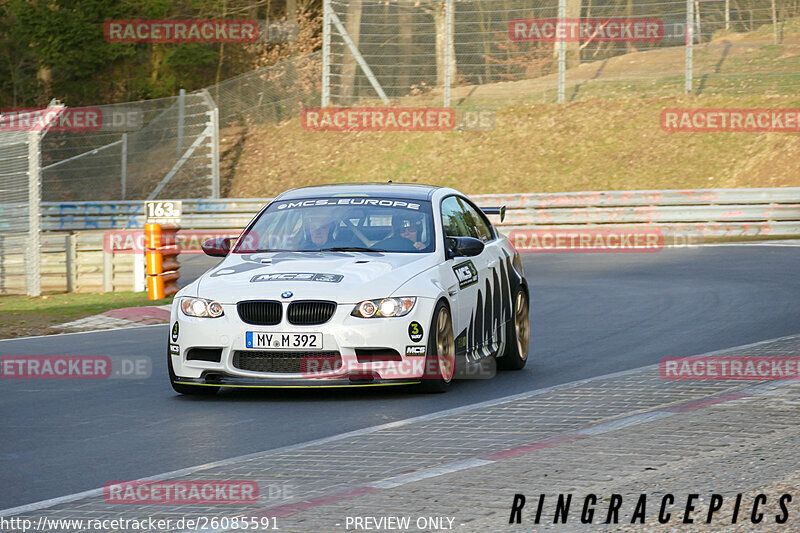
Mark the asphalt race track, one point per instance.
(592, 314)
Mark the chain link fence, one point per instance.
(556, 50)
(138, 150)
(271, 94)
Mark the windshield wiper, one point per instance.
(350, 249)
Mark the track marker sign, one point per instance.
(163, 211)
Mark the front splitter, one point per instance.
(321, 383)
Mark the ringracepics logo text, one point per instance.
(648, 509)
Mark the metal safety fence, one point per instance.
(561, 49)
(136, 150)
(714, 212)
(20, 195)
(73, 255)
(271, 94)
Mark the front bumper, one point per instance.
(342, 334)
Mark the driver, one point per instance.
(319, 229)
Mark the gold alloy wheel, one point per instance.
(445, 345)
(522, 325)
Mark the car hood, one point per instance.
(345, 277)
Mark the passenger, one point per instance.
(406, 232)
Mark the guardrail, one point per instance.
(711, 212)
(704, 212)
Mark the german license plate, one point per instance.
(283, 341)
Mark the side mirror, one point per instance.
(463, 247)
(218, 246)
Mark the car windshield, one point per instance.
(342, 224)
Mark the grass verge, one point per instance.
(24, 315)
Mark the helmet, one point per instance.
(406, 221)
(317, 220)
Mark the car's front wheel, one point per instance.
(182, 388)
(518, 336)
(440, 354)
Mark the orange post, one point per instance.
(161, 259)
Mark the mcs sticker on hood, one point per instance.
(298, 276)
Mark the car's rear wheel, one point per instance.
(518, 336)
(182, 388)
(440, 354)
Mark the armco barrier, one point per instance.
(704, 212)
(713, 212)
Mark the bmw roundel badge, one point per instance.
(287, 294)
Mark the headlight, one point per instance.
(384, 307)
(198, 307)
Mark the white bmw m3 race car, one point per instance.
(353, 285)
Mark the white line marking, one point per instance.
(426, 473)
(620, 423)
(715, 244)
(365, 431)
